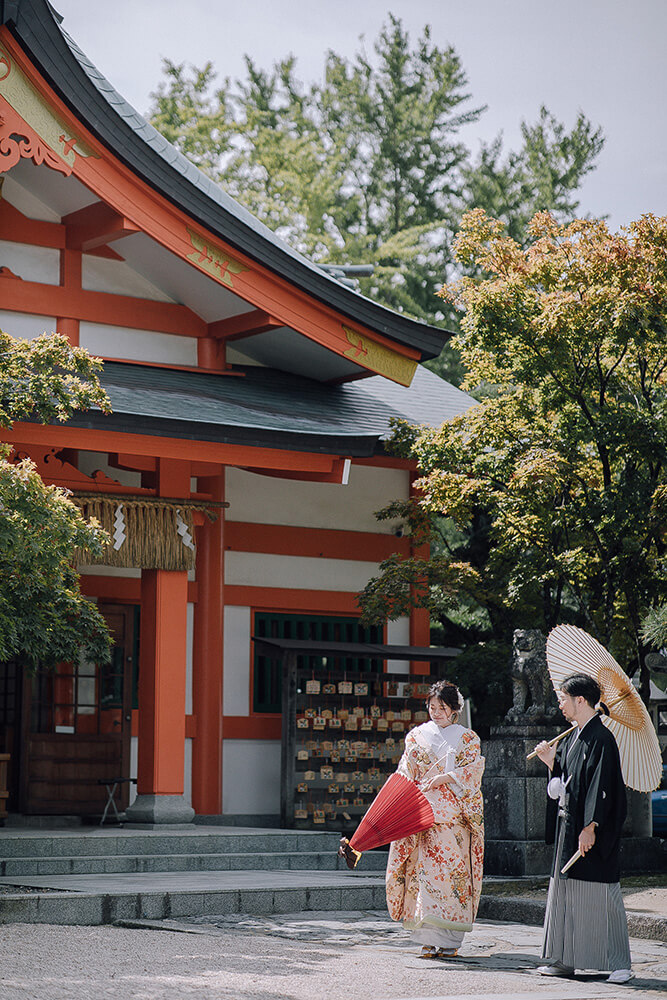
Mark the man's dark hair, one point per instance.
(582, 685)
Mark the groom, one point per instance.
(585, 925)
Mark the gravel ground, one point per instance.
(328, 956)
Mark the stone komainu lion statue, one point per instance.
(534, 699)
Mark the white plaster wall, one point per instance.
(26, 326)
(236, 677)
(118, 278)
(268, 500)
(26, 202)
(31, 263)
(398, 634)
(256, 569)
(137, 345)
(251, 777)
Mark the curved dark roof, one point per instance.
(261, 407)
(266, 408)
(36, 26)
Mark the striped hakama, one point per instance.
(585, 925)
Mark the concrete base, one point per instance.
(514, 802)
(158, 810)
(643, 854)
(508, 858)
(517, 858)
(264, 822)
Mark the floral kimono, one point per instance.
(434, 878)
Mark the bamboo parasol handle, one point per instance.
(575, 857)
(556, 739)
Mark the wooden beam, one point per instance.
(244, 325)
(133, 463)
(101, 307)
(124, 589)
(18, 228)
(96, 226)
(89, 439)
(312, 543)
(326, 602)
(334, 475)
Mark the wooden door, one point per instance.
(77, 727)
(10, 726)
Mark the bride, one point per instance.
(434, 878)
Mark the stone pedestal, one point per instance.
(514, 801)
(157, 810)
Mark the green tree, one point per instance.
(362, 169)
(372, 166)
(545, 174)
(194, 119)
(567, 460)
(44, 619)
(654, 627)
(399, 116)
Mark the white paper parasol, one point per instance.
(570, 650)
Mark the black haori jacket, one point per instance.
(596, 792)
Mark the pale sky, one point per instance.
(606, 58)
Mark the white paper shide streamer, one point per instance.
(182, 529)
(119, 535)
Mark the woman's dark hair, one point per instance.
(577, 685)
(447, 693)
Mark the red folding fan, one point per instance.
(399, 810)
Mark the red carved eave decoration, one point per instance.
(54, 470)
(18, 141)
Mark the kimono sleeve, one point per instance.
(469, 765)
(408, 765)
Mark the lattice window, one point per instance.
(267, 686)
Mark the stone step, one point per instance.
(188, 841)
(105, 899)
(17, 867)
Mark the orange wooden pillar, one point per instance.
(208, 660)
(162, 680)
(420, 618)
(70, 277)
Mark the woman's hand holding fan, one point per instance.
(399, 810)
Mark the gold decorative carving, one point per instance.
(40, 126)
(213, 260)
(378, 358)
